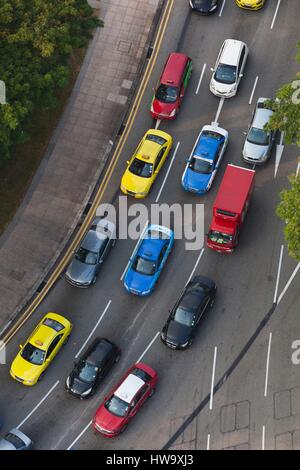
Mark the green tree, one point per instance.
(289, 211)
(37, 38)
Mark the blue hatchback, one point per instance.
(204, 160)
(148, 259)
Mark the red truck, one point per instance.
(230, 208)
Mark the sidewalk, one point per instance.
(76, 154)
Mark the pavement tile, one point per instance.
(296, 439)
(242, 415)
(282, 404)
(295, 399)
(228, 418)
(284, 441)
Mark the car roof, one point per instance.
(207, 146)
(42, 336)
(262, 114)
(192, 298)
(148, 151)
(98, 351)
(129, 387)
(231, 51)
(174, 69)
(150, 248)
(94, 240)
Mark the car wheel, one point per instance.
(151, 393)
(66, 340)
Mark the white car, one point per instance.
(229, 68)
(15, 440)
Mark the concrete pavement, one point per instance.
(77, 152)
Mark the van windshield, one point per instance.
(226, 74)
(219, 237)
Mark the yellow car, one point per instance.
(146, 163)
(40, 349)
(250, 4)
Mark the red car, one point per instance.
(172, 86)
(122, 404)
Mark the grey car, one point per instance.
(85, 266)
(15, 440)
(259, 142)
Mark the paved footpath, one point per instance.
(77, 152)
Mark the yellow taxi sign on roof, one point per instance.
(145, 157)
(38, 342)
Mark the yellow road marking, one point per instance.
(103, 185)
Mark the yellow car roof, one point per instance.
(148, 151)
(43, 334)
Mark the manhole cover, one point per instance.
(124, 46)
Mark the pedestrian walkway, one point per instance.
(77, 152)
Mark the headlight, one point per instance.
(172, 114)
(142, 194)
(68, 382)
(145, 292)
(152, 109)
(163, 335)
(29, 381)
(213, 7)
(184, 345)
(86, 392)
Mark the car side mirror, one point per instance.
(47, 360)
(128, 162)
(241, 75)
(20, 346)
(212, 69)
(245, 133)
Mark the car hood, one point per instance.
(196, 180)
(178, 333)
(137, 281)
(135, 183)
(254, 151)
(81, 272)
(24, 369)
(163, 108)
(223, 87)
(106, 420)
(79, 386)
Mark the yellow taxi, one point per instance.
(250, 4)
(40, 349)
(146, 163)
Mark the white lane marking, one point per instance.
(253, 90)
(148, 347)
(298, 169)
(3, 329)
(79, 436)
(278, 274)
(267, 365)
(38, 405)
(263, 437)
(135, 248)
(213, 379)
(94, 329)
(279, 152)
(196, 264)
(167, 174)
(219, 109)
(288, 283)
(222, 8)
(208, 442)
(275, 14)
(200, 79)
(158, 121)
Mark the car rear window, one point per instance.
(14, 440)
(141, 374)
(55, 325)
(156, 138)
(223, 212)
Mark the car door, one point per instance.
(241, 64)
(161, 260)
(54, 347)
(139, 399)
(158, 162)
(204, 305)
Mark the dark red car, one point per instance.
(122, 404)
(172, 86)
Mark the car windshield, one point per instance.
(85, 256)
(201, 166)
(156, 138)
(116, 406)
(55, 325)
(219, 237)
(225, 74)
(140, 168)
(144, 266)
(14, 440)
(166, 93)
(87, 371)
(184, 316)
(33, 354)
(258, 136)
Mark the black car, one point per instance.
(92, 367)
(205, 7)
(198, 296)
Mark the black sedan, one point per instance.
(205, 7)
(198, 296)
(92, 367)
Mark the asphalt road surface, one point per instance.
(243, 345)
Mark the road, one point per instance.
(257, 405)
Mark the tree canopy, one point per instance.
(37, 38)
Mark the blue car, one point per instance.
(205, 159)
(148, 259)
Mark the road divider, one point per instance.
(288, 283)
(195, 267)
(167, 174)
(213, 379)
(79, 436)
(278, 274)
(222, 8)
(267, 365)
(253, 90)
(200, 79)
(148, 347)
(275, 14)
(263, 438)
(221, 103)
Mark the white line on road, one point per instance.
(79, 436)
(298, 169)
(200, 79)
(219, 109)
(267, 365)
(208, 442)
(222, 8)
(148, 347)
(213, 379)
(288, 283)
(158, 121)
(253, 90)
(38, 405)
(135, 248)
(167, 174)
(196, 264)
(275, 14)
(263, 437)
(94, 329)
(278, 274)
(279, 152)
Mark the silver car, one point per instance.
(15, 440)
(85, 266)
(259, 142)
